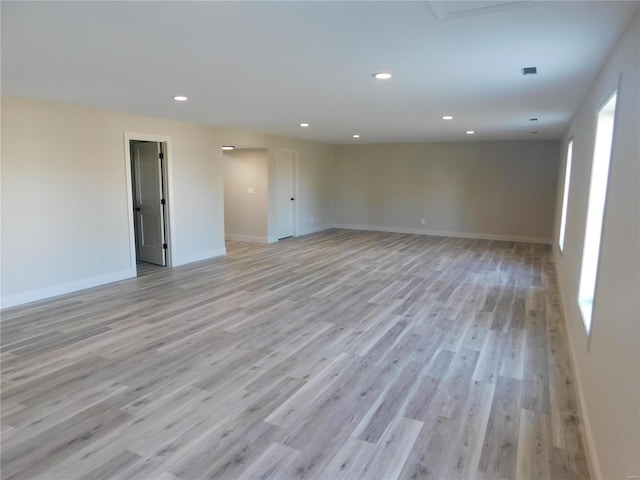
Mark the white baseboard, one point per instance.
(443, 233)
(593, 463)
(70, 287)
(303, 231)
(313, 229)
(245, 238)
(197, 257)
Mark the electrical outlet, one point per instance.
(422, 221)
(250, 190)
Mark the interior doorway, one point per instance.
(147, 161)
(286, 192)
(147, 183)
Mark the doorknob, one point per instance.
(292, 198)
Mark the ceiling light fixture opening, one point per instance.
(447, 117)
(180, 98)
(529, 70)
(382, 75)
(304, 124)
(470, 132)
(356, 135)
(533, 119)
(228, 147)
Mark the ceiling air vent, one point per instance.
(530, 71)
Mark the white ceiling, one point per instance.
(267, 66)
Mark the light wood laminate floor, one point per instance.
(341, 354)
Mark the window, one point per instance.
(565, 195)
(595, 209)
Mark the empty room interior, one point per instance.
(320, 240)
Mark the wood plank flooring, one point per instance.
(339, 355)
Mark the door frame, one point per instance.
(167, 185)
(294, 175)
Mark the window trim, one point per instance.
(606, 98)
(566, 187)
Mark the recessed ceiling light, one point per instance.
(356, 135)
(228, 147)
(304, 124)
(447, 117)
(470, 132)
(180, 98)
(530, 71)
(382, 75)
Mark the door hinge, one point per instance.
(163, 201)
(161, 155)
(165, 246)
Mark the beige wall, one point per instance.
(480, 189)
(65, 217)
(608, 371)
(66, 222)
(315, 174)
(245, 214)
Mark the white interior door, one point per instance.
(147, 203)
(286, 193)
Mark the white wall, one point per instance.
(65, 216)
(502, 190)
(315, 178)
(245, 214)
(608, 372)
